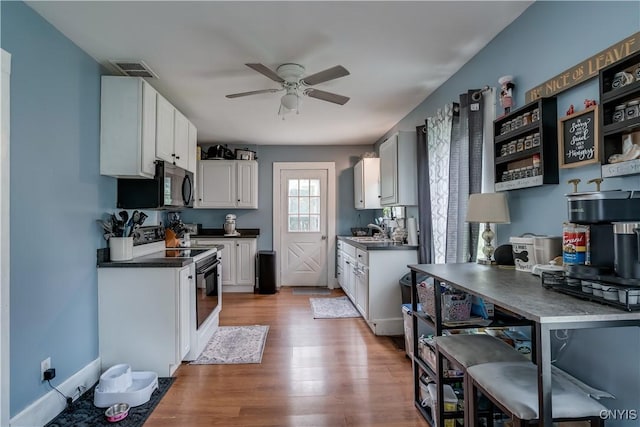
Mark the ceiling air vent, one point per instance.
(134, 68)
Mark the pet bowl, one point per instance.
(117, 412)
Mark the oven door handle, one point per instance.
(210, 268)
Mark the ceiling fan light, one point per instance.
(289, 101)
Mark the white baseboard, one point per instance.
(51, 404)
(237, 288)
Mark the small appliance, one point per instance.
(220, 152)
(230, 225)
(172, 187)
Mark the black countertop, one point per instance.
(153, 260)
(245, 233)
(378, 246)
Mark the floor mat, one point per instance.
(332, 308)
(233, 345)
(84, 414)
(311, 291)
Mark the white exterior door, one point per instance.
(303, 227)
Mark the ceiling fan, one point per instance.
(290, 78)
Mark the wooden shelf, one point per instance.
(517, 156)
(515, 184)
(522, 130)
(613, 133)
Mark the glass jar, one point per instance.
(535, 115)
(504, 150)
(526, 119)
(631, 112)
(528, 142)
(618, 113)
(536, 164)
(507, 126)
(536, 139)
(528, 172)
(505, 176)
(518, 121)
(512, 147)
(520, 144)
(503, 129)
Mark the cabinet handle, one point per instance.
(359, 256)
(379, 197)
(190, 277)
(177, 157)
(173, 155)
(238, 199)
(200, 200)
(347, 262)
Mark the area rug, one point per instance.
(311, 291)
(83, 414)
(332, 308)
(233, 345)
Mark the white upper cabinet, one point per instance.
(227, 184)
(366, 184)
(127, 127)
(138, 126)
(398, 170)
(181, 140)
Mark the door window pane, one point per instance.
(304, 205)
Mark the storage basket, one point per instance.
(454, 306)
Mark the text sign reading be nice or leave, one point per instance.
(586, 69)
(578, 138)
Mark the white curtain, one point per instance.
(439, 149)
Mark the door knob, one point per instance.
(324, 237)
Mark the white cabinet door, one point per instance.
(228, 262)
(181, 140)
(164, 129)
(245, 261)
(186, 289)
(127, 127)
(358, 185)
(389, 171)
(149, 99)
(362, 290)
(349, 276)
(247, 185)
(366, 184)
(340, 268)
(193, 147)
(216, 184)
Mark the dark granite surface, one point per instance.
(153, 260)
(378, 246)
(245, 233)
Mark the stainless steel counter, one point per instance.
(523, 294)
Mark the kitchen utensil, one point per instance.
(143, 217)
(245, 154)
(124, 215)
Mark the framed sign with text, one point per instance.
(578, 139)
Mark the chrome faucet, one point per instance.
(382, 231)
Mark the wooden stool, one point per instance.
(513, 387)
(466, 351)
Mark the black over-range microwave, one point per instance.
(172, 187)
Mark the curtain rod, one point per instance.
(477, 96)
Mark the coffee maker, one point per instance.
(230, 225)
(613, 219)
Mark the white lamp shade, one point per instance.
(289, 101)
(488, 207)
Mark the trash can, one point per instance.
(405, 286)
(266, 272)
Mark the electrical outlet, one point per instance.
(44, 365)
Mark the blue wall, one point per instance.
(548, 38)
(56, 196)
(344, 156)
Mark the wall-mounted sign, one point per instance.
(578, 139)
(586, 69)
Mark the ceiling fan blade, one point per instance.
(327, 96)
(326, 75)
(253, 92)
(264, 70)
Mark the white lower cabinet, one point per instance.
(238, 261)
(370, 278)
(144, 317)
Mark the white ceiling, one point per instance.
(397, 54)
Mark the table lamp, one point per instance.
(488, 208)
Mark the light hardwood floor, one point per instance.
(314, 372)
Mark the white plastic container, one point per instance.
(523, 253)
(143, 383)
(116, 379)
(450, 402)
(120, 248)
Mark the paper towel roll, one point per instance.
(412, 230)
